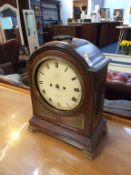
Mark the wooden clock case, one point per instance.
(83, 126)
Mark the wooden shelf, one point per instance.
(48, 9)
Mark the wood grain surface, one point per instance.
(26, 153)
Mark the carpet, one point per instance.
(109, 48)
(119, 107)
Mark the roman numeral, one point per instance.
(66, 69)
(41, 82)
(50, 100)
(76, 89)
(47, 66)
(58, 104)
(42, 73)
(74, 99)
(56, 65)
(68, 105)
(44, 91)
(74, 78)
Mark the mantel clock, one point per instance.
(67, 81)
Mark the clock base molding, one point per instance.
(85, 143)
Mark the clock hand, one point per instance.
(66, 69)
(74, 78)
(42, 73)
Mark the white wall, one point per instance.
(116, 4)
(67, 7)
(112, 4)
(66, 10)
(92, 3)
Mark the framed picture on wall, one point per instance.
(118, 14)
(105, 13)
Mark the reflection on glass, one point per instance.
(7, 23)
(128, 130)
(8, 19)
(14, 136)
(36, 172)
(30, 23)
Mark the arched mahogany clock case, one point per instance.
(67, 81)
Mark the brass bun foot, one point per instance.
(32, 129)
(90, 152)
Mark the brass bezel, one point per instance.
(38, 94)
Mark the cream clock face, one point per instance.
(59, 84)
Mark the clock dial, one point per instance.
(59, 84)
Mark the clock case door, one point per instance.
(83, 126)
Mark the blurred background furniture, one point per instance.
(10, 21)
(9, 57)
(118, 94)
(118, 85)
(9, 54)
